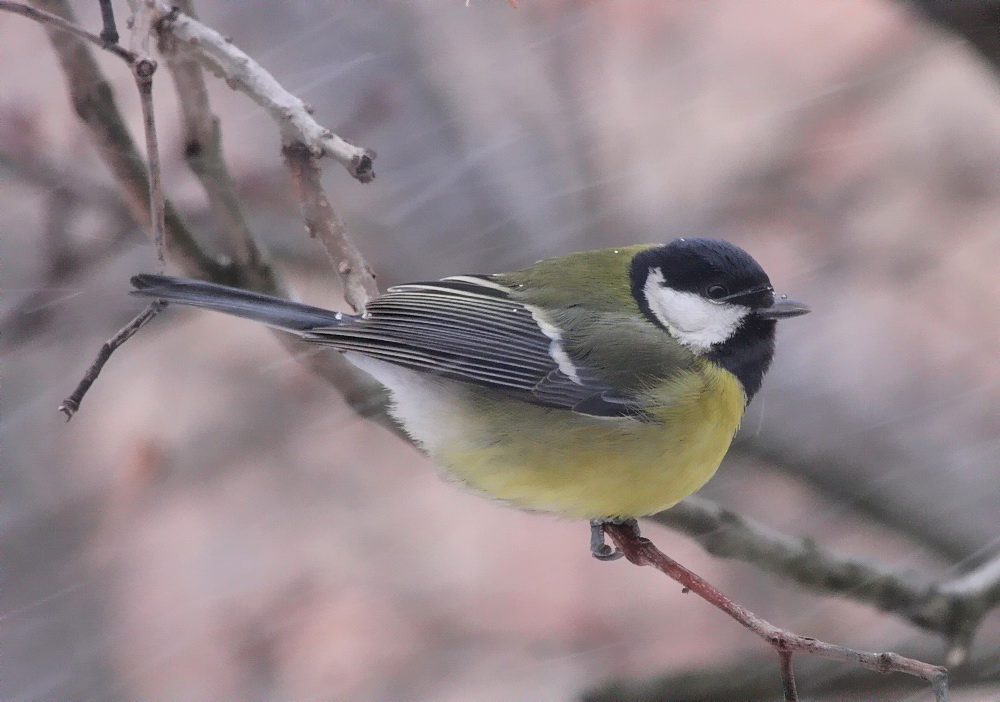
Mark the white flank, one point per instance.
(429, 408)
(693, 320)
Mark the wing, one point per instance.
(470, 329)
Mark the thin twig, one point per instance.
(143, 70)
(241, 72)
(323, 224)
(109, 32)
(111, 128)
(95, 104)
(71, 404)
(787, 676)
(203, 153)
(52, 20)
(641, 551)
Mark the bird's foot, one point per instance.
(599, 548)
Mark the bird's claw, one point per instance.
(599, 548)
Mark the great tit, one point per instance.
(603, 385)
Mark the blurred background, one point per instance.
(216, 524)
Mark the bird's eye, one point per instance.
(716, 292)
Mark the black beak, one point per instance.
(783, 309)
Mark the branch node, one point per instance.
(144, 68)
(362, 167)
(885, 661)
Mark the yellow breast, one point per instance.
(585, 467)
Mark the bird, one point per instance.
(602, 385)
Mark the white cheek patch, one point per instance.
(694, 321)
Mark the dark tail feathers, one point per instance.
(272, 311)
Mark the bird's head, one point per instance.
(704, 292)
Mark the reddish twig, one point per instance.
(323, 224)
(641, 551)
(951, 606)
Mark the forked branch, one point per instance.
(241, 72)
(325, 226)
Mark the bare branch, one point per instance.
(241, 72)
(56, 22)
(143, 70)
(109, 32)
(323, 224)
(95, 104)
(110, 130)
(71, 404)
(787, 676)
(203, 154)
(953, 608)
(747, 677)
(642, 552)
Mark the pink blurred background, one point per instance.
(216, 524)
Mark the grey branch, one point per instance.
(227, 61)
(71, 404)
(953, 607)
(752, 678)
(203, 154)
(324, 225)
(52, 19)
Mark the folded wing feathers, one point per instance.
(468, 328)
